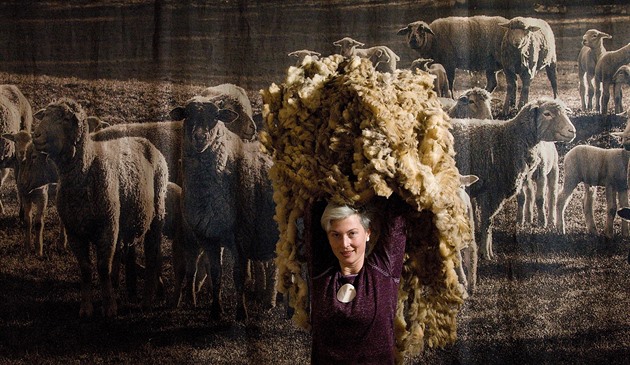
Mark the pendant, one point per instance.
(346, 293)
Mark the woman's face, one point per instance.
(348, 238)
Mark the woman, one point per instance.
(354, 295)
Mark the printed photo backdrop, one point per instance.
(547, 297)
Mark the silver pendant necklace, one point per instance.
(346, 293)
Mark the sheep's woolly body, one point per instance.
(340, 131)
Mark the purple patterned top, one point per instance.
(361, 331)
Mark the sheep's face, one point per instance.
(475, 104)
(622, 76)
(624, 136)
(36, 170)
(593, 38)
(20, 141)
(62, 126)
(419, 35)
(519, 32)
(552, 121)
(246, 128)
(201, 116)
(347, 45)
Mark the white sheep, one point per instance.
(592, 50)
(110, 194)
(301, 55)
(468, 257)
(227, 194)
(382, 57)
(605, 69)
(594, 166)
(527, 47)
(15, 115)
(473, 103)
(540, 187)
(440, 82)
(620, 78)
(467, 43)
(498, 152)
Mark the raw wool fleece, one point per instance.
(339, 130)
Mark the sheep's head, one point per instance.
(347, 45)
(474, 103)
(301, 54)
(419, 35)
(243, 125)
(200, 116)
(20, 141)
(593, 38)
(421, 63)
(63, 125)
(519, 31)
(552, 120)
(622, 75)
(624, 137)
(379, 56)
(36, 170)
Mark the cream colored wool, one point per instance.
(340, 131)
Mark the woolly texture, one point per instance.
(338, 130)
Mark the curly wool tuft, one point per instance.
(341, 131)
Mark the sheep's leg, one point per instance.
(179, 269)
(552, 71)
(215, 252)
(471, 257)
(598, 94)
(618, 95)
(460, 270)
(240, 269)
(526, 81)
(521, 199)
(541, 198)
(105, 250)
(590, 78)
(4, 172)
(583, 86)
(152, 260)
(491, 80)
(552, 195)
(605, 97)
(131, 274)
(510, 92)
(28, 228)
(81, 251)
(271, 274)
(39, 223)
(563, 199)
(485, 227)
(450, 76)
(622, 195)
(587, 207)
(611, 211)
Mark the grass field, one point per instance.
(546, 299)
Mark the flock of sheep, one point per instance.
(202, 178)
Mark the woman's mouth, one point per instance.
(346, 253)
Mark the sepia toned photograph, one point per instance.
(314, 182)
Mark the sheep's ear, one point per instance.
(533, 28)
(505, 25)
(428, 29)
(226, 115)
(9, 136)
(467, 180)
(604, 35)
(624, 213)
(404, 31)
(178, 113)
(40, 114)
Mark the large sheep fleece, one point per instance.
(467, 43)
(227, 193)
(110, 193)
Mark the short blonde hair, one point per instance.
(335, 212)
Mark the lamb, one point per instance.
(498, 152)
(382, 57)
(620, 78)
(467, 43)
(527, 47)
(235, 98)
(470, 254)
(110, 194)
(15, 114)
(592, 50)
(605, 69)
(472, 103)
(301, 55)
(227, 194)
(543, 172)
(596, 166)
(440, 83)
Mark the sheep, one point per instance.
(467, 43)
(301, 55)
(110, 194)
(382, 57)
(234, 97)
(227, 194)
(440, 83)
(472, 103)
(470, 254)
(620, 78)
(165, 136)
(527, 47)
(592, 50)
(543, 172)
(498, 152)
(15, 114)
(596, 166)
(624, 213)
(605, 69)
